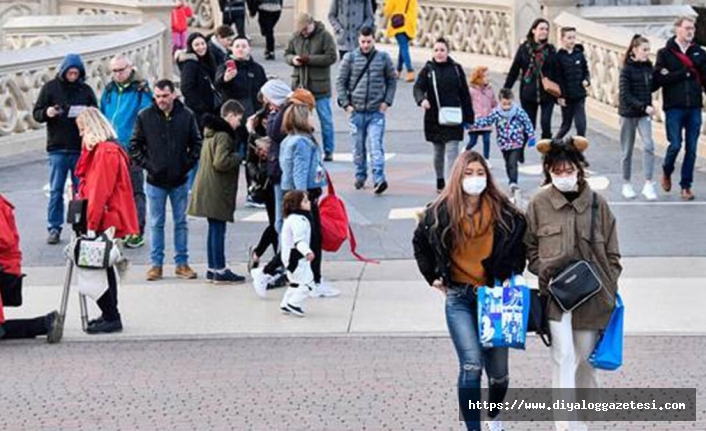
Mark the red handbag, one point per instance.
(335, 226)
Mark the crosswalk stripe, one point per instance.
(348, 157)
(404, 213)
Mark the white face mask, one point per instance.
(474, 185)
(566, 184)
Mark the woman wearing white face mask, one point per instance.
(559, 221)
(470, 236)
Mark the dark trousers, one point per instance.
(25, 328)
(137, 178)
(239, 22)
(216, 244)
(269, 236)
(315, 242)
(512, 158)
(108, 302)
(532, 108)
(268, 21)
(573, 112)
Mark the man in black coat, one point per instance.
(60, 101)
(680, 70)
(166, 142)
(571, 72)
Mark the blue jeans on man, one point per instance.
(323, 110)
(688, 120)
(461, 318)
(179, 198)
(60, 164)
(368, 131)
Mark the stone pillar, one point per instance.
(49, 7)
(552, 8)
(161, 10)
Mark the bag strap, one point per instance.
(594, 215)
(406, 8)
(354, 246)
(362, 73)
(436, 90)
(331, 189)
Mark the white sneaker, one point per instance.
(487, 162)
(628, 191)
(323, 290)
(260, 280)
(514, 187)
(648, 191)
(494, 425)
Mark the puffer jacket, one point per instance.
(432, 251)
(197, 84)
(121, 103)
(318, 52)
(636, 87)
(570, 69)
(378, 85)
(558, 234)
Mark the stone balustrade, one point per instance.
(99, 7)
(22, 76)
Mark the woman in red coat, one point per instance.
(10, 273)
(103, 171)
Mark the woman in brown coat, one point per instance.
(558, 234)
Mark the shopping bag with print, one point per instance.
(503, 313)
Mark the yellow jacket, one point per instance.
(393, 7)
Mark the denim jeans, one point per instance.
(367, 131)
(179, 198)
(279, 200)
(473, 140)
(573, 112)
(403, 57)
(323, 110)
(60, 163)
(192, 177)
(512, 158)
(216, 244)
(628, 127)
(677, 120)
(137, 178)
(461, 318)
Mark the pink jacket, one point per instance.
(483, 103)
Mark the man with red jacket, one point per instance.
(11, 273)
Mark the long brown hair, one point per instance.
(458, 204)
(636, 41)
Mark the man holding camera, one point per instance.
(59, 103)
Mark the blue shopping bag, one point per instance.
(503, 313)
(608, 354)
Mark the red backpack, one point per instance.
(335, 227)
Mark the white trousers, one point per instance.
(570, 367)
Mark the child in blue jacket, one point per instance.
(512, 126)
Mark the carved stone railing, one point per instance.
(484, 27)
(99, 7)
(22, 76)
(13, 8)
(31, 31)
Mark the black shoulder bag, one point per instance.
(578, 282)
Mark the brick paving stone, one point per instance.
(286, 383)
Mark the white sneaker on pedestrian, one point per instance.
(628, 191)
(648, 191)
(323, 290)
(260, 280)
(494, 426)
(487, 162)
(514, 187)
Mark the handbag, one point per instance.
(94, 253)
(11, 289)
(503, 313)
(608, 354)
(551, 87)
(578, 282)
(449, 115)
(398, 20)
(77, 215)
(538, 320)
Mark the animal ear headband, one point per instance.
(579, 143)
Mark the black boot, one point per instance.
(440, 184)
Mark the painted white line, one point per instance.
(531, 169)
(404, 213)
(598, 183)
(657, 203)
(258, 217)
(348, 157)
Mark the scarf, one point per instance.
(508, 114)
(539, 52)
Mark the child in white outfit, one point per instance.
(296, 253)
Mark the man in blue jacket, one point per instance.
(123, 98)
(58, 104)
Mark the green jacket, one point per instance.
(216, 185)
(318, 52)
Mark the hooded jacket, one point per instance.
(318, 51)
(62, 132)
(104, 176)
(681, 87)
(432, 252)
(452, 87)
(216, 185)
(166, 146)
(570, 69)
(513, 127)
(120, 103)
(636, 87)
(197, 84)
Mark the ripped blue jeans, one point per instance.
(461, 319)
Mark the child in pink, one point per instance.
(180, 24)
(484, 101)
